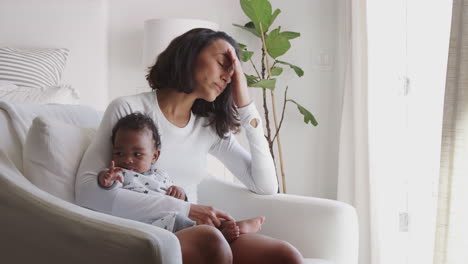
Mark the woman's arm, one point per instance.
(255, 169)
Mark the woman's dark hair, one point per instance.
(137, 121)
(174, 70)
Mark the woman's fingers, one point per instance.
(207, 215)
(224, 215)
(235, 65)
(208, 222)
(216, 222)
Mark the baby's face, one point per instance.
(134, 150)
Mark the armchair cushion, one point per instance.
(319, 228)
(52, 154)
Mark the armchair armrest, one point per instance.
(38, 227)
(319, 228)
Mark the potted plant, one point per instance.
(274, 44)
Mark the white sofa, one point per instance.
(37, 227)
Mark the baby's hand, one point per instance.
(107, 178)
(176, 192)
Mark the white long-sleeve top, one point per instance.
(183, 155)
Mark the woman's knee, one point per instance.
(286, 253)
(213, 245)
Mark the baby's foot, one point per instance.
(251, 225)
(230, 230)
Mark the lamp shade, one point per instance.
(158, 33)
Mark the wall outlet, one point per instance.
(404, 221)
(323, 61)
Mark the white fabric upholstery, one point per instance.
(319, 228)
(316, 261)
(52, 154)
(53, 230)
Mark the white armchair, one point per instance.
(36, 226)
(321, 229)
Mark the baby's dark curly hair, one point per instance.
(137, 121)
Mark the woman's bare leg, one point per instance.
(256, 248)
(204, 244)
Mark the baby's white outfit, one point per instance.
(154, 182)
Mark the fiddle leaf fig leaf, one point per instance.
(290, 34)
(272, 18)
(251, 30)
(276, 43)
(275, 71)
(308, 117)
(246, 55)
(251, 79)
(250, 25)
(296, 69)
(259, 11)
(265, 83)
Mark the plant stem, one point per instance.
(274, 63)
(263, 62)
(282, 114)
(273, 104)
(267, 124)
(255, 68)
(278, 141)
(265, 107)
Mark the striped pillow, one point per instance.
(35, 68)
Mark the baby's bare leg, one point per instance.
(230, 230)
(251, 225)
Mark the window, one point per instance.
(408, 48)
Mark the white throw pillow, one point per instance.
(52, 154)
(32, 67)
(60, 94)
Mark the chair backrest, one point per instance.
(11, 142)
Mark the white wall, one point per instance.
(105, 42)
(310, 153)
(80, 26)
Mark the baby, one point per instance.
(136, 148)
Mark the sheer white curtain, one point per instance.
(452, 215)
(391, 124)
(354, 182)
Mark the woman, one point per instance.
(199, 96)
